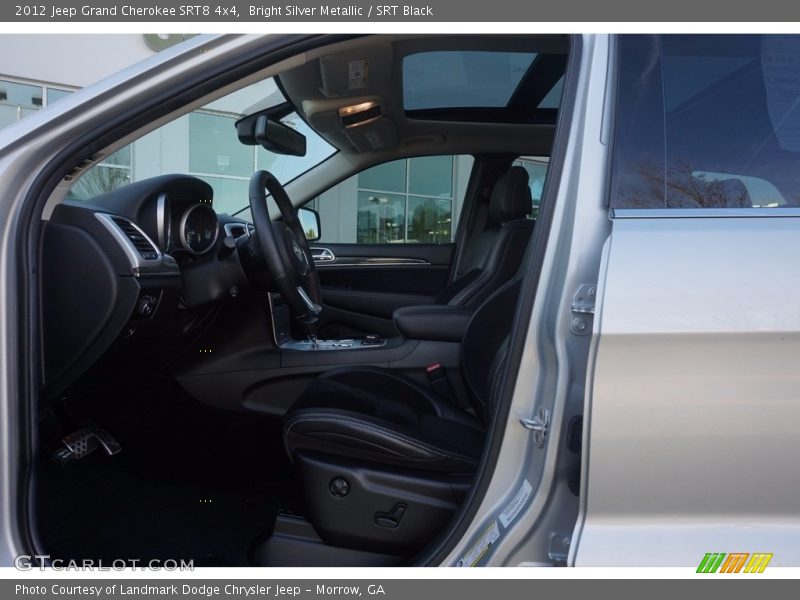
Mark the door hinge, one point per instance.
(538, 425)
(583, 309)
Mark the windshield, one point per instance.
(204, 143)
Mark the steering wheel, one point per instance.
(285, 249)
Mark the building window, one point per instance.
(54, 95)
(213, 150)
(18, 99)
(218, 158)
(406, 201)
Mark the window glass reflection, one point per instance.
(708, 121)
(381, 218)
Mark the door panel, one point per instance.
(363, 284)
(693, 409)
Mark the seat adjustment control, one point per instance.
(339, 488)
(390, 519)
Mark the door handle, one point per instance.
(322, 255)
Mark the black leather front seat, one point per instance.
(493, 254)
(398, 447)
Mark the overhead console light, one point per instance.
(378, 134)
(359, 114)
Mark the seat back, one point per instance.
(492, 256)
(484, 349)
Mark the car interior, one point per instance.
(230, 388)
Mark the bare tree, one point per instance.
(99, 180)
(679, 187)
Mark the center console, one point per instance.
(370, 341)
(256, 364)
(281, 328)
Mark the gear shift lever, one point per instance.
(311, 331)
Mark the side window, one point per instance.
(707, 121)
(408, 201)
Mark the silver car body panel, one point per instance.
(693, 413)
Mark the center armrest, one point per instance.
(437, 322)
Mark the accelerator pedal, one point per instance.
(83, 442)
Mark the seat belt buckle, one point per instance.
(435, 372)
(438, 378)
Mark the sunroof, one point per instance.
(462, 79)
(553, 97)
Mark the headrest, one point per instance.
(511, 197)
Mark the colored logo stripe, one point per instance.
(717, 561)
(711, 562)
(758, 562)
(734, 562)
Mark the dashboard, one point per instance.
(174, 211)
(141, 267)
(184, 224)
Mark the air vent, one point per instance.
(143, 245)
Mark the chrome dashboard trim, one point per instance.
(137, 262)
(163, 221)
(371, 262)
(182, 233)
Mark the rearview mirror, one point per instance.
(309, 220)
(271, 134)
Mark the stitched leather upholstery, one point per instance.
(493, 255)
(379, 416)
(374, 414)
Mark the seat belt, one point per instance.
(437, 375)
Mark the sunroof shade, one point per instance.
(462, 79)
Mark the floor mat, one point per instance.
(192, 482)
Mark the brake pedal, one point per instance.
(81, 443)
